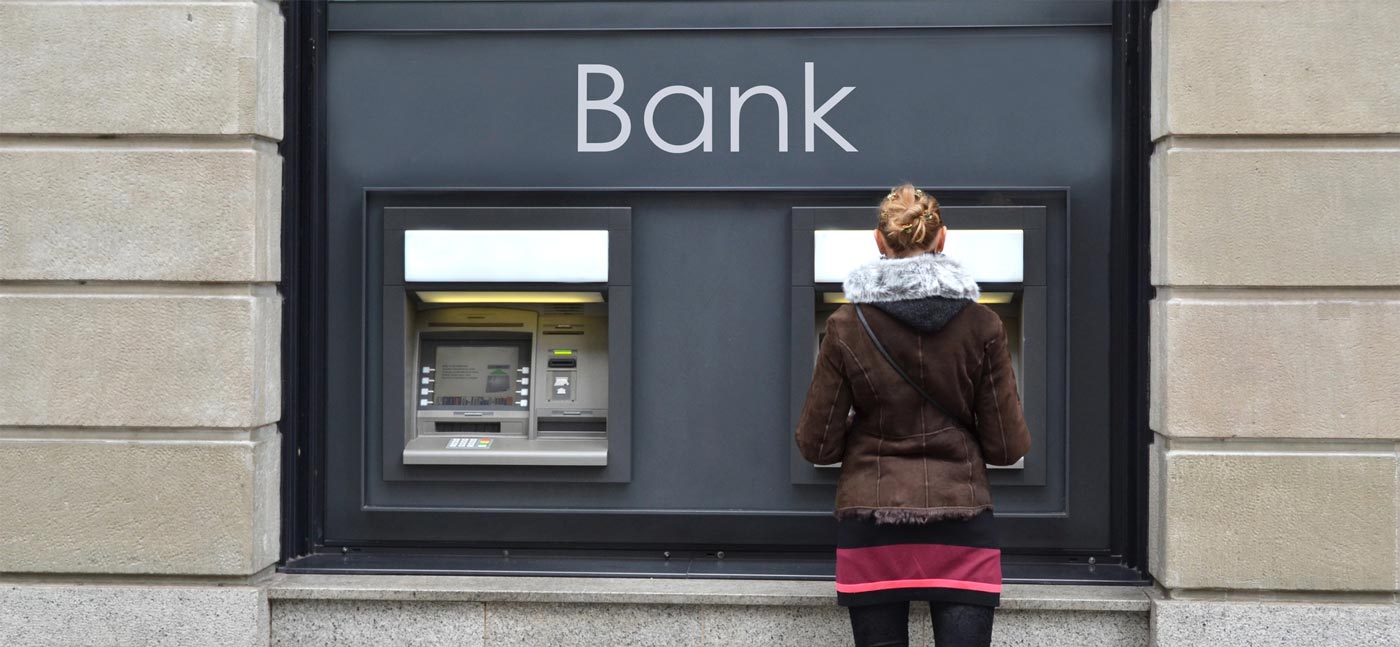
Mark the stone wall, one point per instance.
(372, 610)
(140, 209)
(1276, 327)
(343, 623)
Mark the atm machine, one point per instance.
(1002, 246)
(509, 383)
(504, 339)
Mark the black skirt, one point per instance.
(955, 561)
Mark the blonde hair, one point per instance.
(909, 219)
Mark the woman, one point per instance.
(913, 393)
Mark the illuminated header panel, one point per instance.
(520, 256)
(986, 298)
(460, 296)
(991, 255)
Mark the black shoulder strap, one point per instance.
(886, 354)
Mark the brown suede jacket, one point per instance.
(903, 461)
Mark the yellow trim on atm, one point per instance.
(511, 297)
(987, 297)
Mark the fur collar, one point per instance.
(915, 277)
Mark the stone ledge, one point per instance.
(64, 615)
(372, 623)
(588, 590)
(1191, 623)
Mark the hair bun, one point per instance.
(909, 218)
(918, 226)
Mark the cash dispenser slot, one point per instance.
(450, 427)
(515, 377)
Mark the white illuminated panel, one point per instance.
(838, 251)
(432, 296)
(991, 255)
(479, 256)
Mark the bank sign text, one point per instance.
(813, 116)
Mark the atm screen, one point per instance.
(474, 375)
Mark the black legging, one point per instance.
(954, 625)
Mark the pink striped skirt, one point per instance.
(952, 561)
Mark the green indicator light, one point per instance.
(562, 352)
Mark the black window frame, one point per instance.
(304, 282)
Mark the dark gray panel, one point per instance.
(712, 275)
(499, 109)
(715, 263)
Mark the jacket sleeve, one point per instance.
(821, 430)
(1001, 425)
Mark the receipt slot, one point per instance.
(1003, 247)
(505, 342)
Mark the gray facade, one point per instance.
(142, 282)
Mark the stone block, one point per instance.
(1284, 213)
(131, 506)
(1225, 67)
(141, 68)
(99, 615)
(826, 625)
(1156, 524)
(1292, 517)
(375, 623)
(157, 358)
(586, 625)
(1066, 628)
(1276, 364)
(830, 626)
(121, 211)
(1211, 623)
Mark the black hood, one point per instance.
(926, 315)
